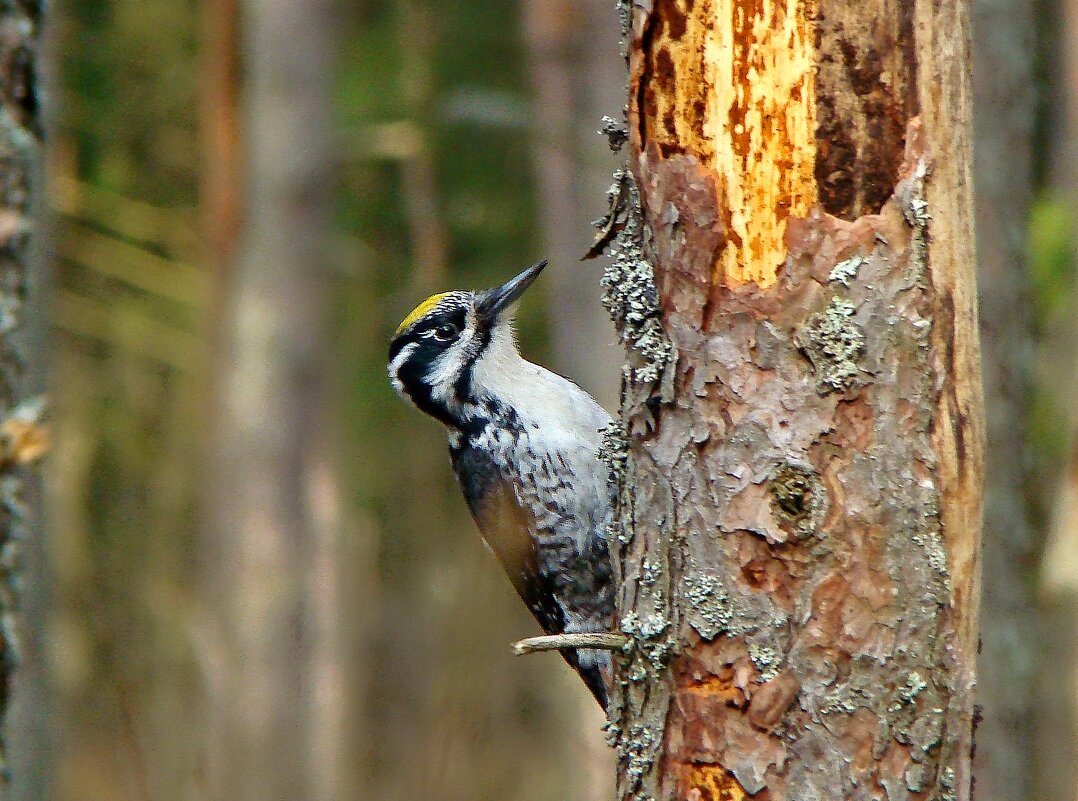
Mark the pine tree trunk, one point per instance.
(24, 697)
(800, 511)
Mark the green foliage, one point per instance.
(1052, 248)
(1053, 253)
(128, 95)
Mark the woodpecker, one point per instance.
(523, 442)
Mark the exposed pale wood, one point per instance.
(731, 83)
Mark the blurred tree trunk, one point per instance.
(270, 575)
(800, 516)
(25, 740)
(1002, 132)
(1057, 722)
(577, 79)
(222, 174)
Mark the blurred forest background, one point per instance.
(263, 581)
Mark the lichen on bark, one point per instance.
(798, 503)
(800, 516)
(20, 166)
(644, 580)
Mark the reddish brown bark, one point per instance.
(800, 514)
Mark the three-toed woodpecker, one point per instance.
(523, 443)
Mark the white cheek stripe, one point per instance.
(395, 366)
(447, 368)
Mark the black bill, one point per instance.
(493, 302)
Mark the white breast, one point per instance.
(553, 458)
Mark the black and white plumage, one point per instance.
(524, 444)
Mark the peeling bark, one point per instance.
(799, 510)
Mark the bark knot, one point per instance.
(798, 499)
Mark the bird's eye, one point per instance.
(444, 333)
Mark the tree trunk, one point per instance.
(25, 740)
(1056, 726)
(274, 688)
(1003, 92)
(799, 520)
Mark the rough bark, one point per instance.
(800, 508)
(273, 719)
(24, 739)
(1003, 92)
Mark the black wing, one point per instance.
(507, 529)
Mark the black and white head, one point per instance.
(435, 351)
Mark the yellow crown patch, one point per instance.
(420, 311)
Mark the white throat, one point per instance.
(540, 398)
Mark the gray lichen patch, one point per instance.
(906, 694)
(766, 659)
(639, 748)
(931, 540)
(651, 637)
(947, 784)
(650, 571)
(615, 131)
(798, 499)
(910, 195)
(710, 611)
(846, 271)
(630, 295)
(614, 450)
(923, 732)
(834, 344)
(847, 698)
